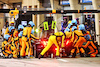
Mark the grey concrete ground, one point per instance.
(51, 62)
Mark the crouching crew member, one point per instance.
(6, 44)
(77, 39)
(92, 49)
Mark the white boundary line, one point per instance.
(63, 60)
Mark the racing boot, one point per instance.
(57, 57)
(39, 57)
(31, 56)
(21, 57)
(27, 57)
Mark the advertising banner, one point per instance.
(64, 2)
(86, 1)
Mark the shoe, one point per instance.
(57, 57)
(5, 57)
(21, 57)
(39, 57)
(70, 56)
(88, 55)
(31, 56)
(10, 56)
(84, 55)
(27, 57)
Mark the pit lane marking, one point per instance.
(62, 60)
